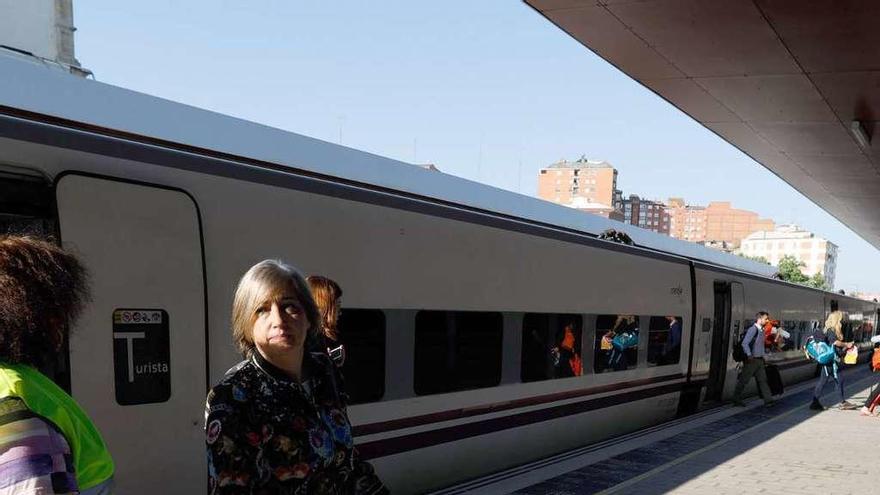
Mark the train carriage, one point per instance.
(452, 310)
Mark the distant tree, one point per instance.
(818, 281)
(790, 270)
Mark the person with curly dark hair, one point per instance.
(47, 442)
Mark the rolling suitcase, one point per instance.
(774, 380)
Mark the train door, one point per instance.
(27, 207)
(727, 318)
(138, 353)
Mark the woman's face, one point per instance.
(280, 325)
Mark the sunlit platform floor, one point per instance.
(787, 448)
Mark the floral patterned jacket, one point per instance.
(266, 434)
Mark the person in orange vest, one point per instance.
(775, 336)
(566, 358)
(874, 395)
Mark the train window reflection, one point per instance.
(664, 340)
(617, 343)
(847, 328)
(457, 350)
(803, 331)
(858, 332)
(779, 335)
(551, 346)
(362, 331)
(867, 331)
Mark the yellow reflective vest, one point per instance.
(43, 397)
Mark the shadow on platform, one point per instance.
(664, 465)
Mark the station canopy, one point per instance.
(794, 84)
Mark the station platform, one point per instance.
(786, 448)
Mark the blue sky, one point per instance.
(486, 90)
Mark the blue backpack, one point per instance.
(625, 340)
(819, 351)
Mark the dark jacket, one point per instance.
(268, 434)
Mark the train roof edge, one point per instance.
(35, 88)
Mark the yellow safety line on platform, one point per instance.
(659, 469)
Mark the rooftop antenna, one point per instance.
(519, 176)
(480, 160)
(341, 121)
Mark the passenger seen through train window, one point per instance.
(551, 346)
(773, 339)
(617, 343)
(664, 340)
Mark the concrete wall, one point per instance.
(42, 27)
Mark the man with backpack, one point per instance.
(752, 346)
(832, 335)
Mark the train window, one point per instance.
(664, 340)
(26, 206)
(858, 331)
(362, 331)
(551, 346)
(868, 330)
(783, 337)
(617, 343)
(800, 334)
(457, 350)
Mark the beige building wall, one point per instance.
(718, 222)
(687, 223)
(731, 225)
(817, 254)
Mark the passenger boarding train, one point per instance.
(453, 316)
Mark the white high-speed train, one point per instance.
(455, 293)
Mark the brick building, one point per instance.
(716, 223)
(594, 182)
(647, 214)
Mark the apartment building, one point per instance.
(818, 255)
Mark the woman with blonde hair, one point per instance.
(276, 422)
(833, 336)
